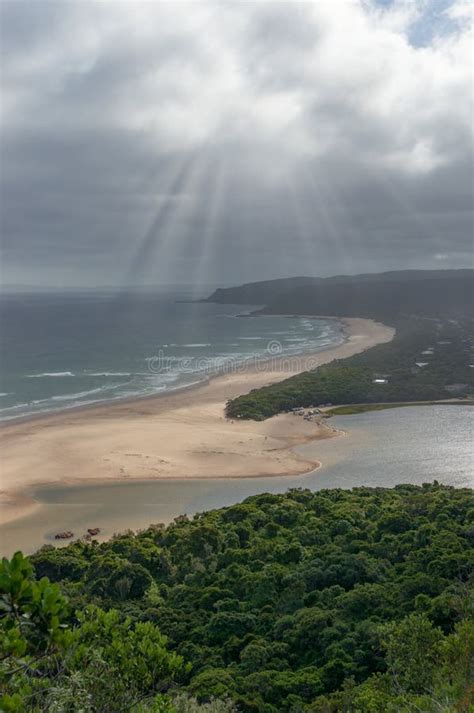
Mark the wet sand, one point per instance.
(180, 435)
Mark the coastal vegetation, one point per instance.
(429, 359)
(305, 602)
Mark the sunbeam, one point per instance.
(214, 190)
(316, 205)
(170, 205)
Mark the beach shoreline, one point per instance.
(232, 367)
(182, 434)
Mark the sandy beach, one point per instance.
(180, 435)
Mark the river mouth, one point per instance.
(378, 449)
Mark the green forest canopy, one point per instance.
(338, 600)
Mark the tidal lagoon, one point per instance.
(415, 444)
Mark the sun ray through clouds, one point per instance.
(174, 198)
(317, 207)
(214, 190)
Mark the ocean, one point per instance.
(73, 349)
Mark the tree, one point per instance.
(413, 650)
(98, 661)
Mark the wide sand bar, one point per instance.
(183, 434)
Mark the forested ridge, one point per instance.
(384, 296)
(355, 601)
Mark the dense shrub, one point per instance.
(304, 601)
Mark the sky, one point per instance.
(225, 142)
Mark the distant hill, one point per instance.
(441, 293)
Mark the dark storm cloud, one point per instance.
(224, 142)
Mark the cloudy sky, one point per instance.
(220, 142)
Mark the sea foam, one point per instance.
(49, 373)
